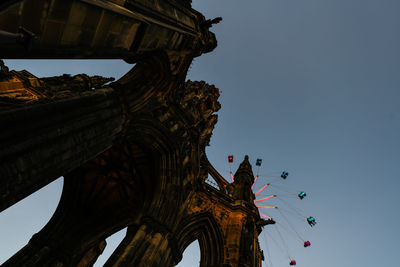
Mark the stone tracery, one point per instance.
(132, 151)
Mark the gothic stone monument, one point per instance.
(132, 151)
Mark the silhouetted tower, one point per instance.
(132, 152)
(243, 180)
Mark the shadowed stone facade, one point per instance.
(132, 151)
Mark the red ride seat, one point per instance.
(292, 262)
(307, 244)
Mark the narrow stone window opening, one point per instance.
(112, 243)
(212, 182)
(27, 217)
(191, 255)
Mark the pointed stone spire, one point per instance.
(245, 171)
(243, 180)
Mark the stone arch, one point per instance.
(142, 138)
(206, 230)
(166, 166)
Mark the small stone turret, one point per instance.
(245, 171)
(243, 180)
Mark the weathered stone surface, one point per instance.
(165, 125)
(101, 29)
(151, 178)
(132, 152)
(52, 133)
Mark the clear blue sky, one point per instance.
(310, 86)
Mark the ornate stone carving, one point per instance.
(133, 151)
(232, 216)
(240, 189)
(22, 87)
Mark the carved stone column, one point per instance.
(149, 244)
(99, 198)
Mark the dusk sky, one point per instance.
(309, 86)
